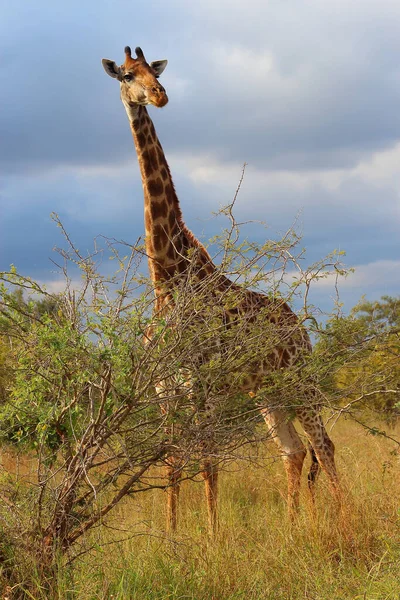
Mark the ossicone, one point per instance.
(139, 53)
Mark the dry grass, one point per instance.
(257, 553)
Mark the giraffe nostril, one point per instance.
(158, 89)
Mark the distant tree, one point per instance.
(361, 353)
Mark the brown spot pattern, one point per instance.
(158, 209)
(170, 193)
(285, 358)
(160, 237)
(171, 253)
(172, 221)
(155, 187)
(150, 162)
(152, 131)
(141, 139)
(161, 157)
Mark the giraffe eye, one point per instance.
(128, 77)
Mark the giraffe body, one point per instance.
(171, 249)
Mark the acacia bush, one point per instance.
(98, 403)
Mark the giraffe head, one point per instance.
(138, 79)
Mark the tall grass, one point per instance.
(257, 553)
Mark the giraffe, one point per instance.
(171, 248)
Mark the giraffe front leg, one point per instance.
(293, 465)
(174, 473)
(323, 447)
(292, 450)
(210, 476)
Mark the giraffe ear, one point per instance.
(158, 66)
(111, 69)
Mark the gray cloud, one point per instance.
(299, 87)
(288, 87)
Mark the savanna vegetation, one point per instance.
(84, 442)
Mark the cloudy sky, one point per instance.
(307, 93)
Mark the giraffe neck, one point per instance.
(167, 238)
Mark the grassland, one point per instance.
(257, 554)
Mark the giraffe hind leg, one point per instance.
(313, 472)
(322, 445)
(292, 450)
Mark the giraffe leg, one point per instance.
(313, 472)
(174, 472)
(210, 476)
(293, 452)
(322, 445)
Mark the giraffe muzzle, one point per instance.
(160, 100)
